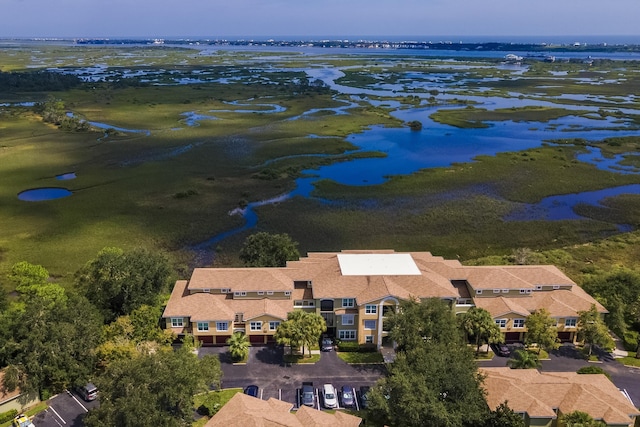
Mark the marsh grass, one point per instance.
(125, 192)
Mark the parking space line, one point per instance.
(261, 393)
(79, 403)
(279, 394)
(355, 399)
(54, 411)
(317, 400)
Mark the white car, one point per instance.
(330, 396)
(22, 421)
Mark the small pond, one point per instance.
(66, 176)
(43, 194)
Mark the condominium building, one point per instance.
(355, 290)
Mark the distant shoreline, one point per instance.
(382, 44)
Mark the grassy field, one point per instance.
(176, 186)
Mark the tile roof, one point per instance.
(246, 411)
(203, 306)
(241, 279)
(500, 306)
(199, 306)
(539, 393)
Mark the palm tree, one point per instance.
(313, 325)
(478, 322)
(238, 346)
(524, 360)
(579, 419)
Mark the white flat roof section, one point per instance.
(378, 265)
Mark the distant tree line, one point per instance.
(53, 111)
(36, 81)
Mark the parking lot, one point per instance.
(66, 409)
(275, 379)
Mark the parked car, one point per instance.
(348, 399)
(364, 398)
(502, 350)
(252, 390)
(307, 394)
(88, 392)
(327, 344)
(22, 421)
(329, 396)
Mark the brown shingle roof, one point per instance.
(241, 279)
(199, 306)
(539, 393)
(246, 411)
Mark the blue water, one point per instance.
(43, 194)
(66, 176)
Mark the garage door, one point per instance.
(206, 340)
(256, 339)
(222, 339)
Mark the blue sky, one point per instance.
(273, 18)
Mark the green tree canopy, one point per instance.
(417, 322)
(155, 389)
(478, 323)
(268, 250)
(118, 282)
(433, 380)
(592, 330)
(49, 343)
(301, 328)
(541, 330)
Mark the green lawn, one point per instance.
(630, 360)
(222, 396)
(299, 359)
(357, 357)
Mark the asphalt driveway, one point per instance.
(266, 369)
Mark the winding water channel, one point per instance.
(437, 145)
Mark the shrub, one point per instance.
(593, 370)
(8, 416)
(354, 347)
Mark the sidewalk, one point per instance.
(619, 351)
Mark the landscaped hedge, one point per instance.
(8, 416)
(354, 347)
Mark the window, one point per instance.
(369, 324)
(222, 326)
(287, 293)
(501, 323)
(570, 323)
(206, 290)
(255, 326)
(225, 291)
(303, 303)
(239, 317)
(348, 302)
(478, 291)
(347, 319)
(203, 326)
(260, 292)
(177, 322)
(518, 323)
(496, 291)
(368, 339)
(273, 325)
(505, 291)
(269, 292)
(347, 335)
(371, 309)
(556, 287)
(538, 287)
(240, 294)
(522, 291)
